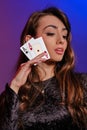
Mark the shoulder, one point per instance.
(82, 77)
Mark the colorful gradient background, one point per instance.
(13, 16)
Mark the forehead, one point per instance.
(50, 20)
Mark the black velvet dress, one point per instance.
(51, 115)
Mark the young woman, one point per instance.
(49, 95)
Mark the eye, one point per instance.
(50, 34)
(65, 37)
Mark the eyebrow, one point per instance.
(53, 26)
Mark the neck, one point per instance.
(46, 70)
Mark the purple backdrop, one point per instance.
(13, 16)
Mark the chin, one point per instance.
(59, 58)
(56, 58)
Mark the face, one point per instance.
(54, 34)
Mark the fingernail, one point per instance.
(45, 52)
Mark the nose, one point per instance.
(60, 39)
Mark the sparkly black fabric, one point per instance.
(49, 116)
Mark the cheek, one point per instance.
(48, 42)
(51, 51)
(50, 48)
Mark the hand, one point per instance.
(23, 72)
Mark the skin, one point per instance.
(54, 35)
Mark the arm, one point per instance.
(9, 110)
(9, 101)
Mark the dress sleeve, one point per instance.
(9, 109)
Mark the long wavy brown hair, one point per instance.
(71, 89)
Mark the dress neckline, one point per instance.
(46, 80)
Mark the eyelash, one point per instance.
(50, 34)
(65, 37)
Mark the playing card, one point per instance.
(34, 47)
(39, 46)
(27, 49)
(30, 48)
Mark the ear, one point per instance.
(27, 37)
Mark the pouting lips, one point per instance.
(59, 51)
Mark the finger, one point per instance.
(27, 72)
(37, 59)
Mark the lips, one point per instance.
(59, 51)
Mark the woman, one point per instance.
(49, 95)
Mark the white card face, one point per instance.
(30, 48)
(37, 48)
(40, 47)
(34, 47)
(25, 50)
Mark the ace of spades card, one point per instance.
(28, 50)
